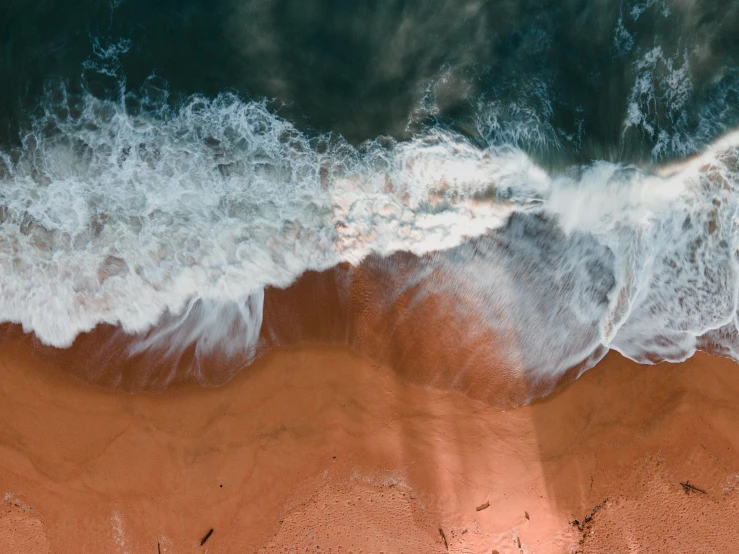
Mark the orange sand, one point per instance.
(315, 449)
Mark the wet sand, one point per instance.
(316, 449)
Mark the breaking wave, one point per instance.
(123, 211)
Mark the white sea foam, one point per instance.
(121, 214)
(616, 258)
(111, 217)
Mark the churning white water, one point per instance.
(120, 214)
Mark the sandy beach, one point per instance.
(317, 449)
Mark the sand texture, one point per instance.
(316, 449)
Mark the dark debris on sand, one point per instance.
(585, 525)
(483, 506)
(206, 537)
(688, 488)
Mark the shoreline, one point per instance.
(316, 446)
(426, 334)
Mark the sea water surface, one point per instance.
(178, 156)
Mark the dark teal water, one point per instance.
(562, 79)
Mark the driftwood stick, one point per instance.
(206, 537)
(687, 487)
(443, 537)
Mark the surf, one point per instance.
(113, 215)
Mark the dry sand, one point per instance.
(316, 449)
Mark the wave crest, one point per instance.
(121, 212)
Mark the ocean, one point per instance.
(570, 167)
